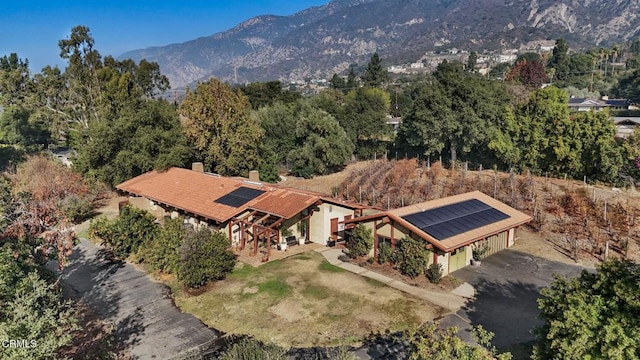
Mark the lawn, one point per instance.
(304, 301)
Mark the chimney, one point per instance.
(197, 166)
(254, 175)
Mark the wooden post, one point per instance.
(388, 201)
(606, 250)
(347, 191)
(360, 190)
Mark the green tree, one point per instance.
(363, 117)
(216, 120)
(15, 80)
(337, 82)
(456, 111)
(352, 79)
(322, 146)
(428, 341)
(18, 127)
(279, 124)
(560, 60)
(359, 242)
(375, 75)
(161, 251)
(138, 140)
(472, 61)
(127, 233)
(262, 94)
(204, 256)
(593, 316)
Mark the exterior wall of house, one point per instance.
(511, 238)
(293, 226)
(320, 221)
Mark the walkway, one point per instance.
(451, 301)
(145, 320)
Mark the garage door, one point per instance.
(457, 259)
(497, 242)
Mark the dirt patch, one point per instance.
(294, 302)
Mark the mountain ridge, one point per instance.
(321, 40)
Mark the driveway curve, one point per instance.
(145, 320)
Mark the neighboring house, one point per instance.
(394, 122)
(450, 227)
(591, 104)
(64, 154)
(247, 211)
(625, 125)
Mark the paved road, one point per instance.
(145, 319)
(507, 286)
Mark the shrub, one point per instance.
(251, 349)
(480, 250)
(385, 253)
(344, 258)
(125, 234)
(412, 257)
(359, 242)
(434, 273)
(161, 252)
(204, 256)
(76, 207)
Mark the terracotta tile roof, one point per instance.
(196, 192)
(516, 218)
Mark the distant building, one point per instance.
(625, 125)
(592, 104)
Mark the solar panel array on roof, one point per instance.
(450, 220)
(239, 196)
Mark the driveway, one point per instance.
(146, 321)
(507, 286)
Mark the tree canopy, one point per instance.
(217, 122)
(593, 316)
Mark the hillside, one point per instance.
(323, 40)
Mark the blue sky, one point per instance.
(32, 28)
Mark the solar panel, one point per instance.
(450, 220)
(239, 196)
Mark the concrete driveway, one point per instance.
(146, 321)
(507, 286)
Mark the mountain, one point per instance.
(323, 40)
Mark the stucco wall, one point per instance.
(320, 222)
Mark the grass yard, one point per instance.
(304, 301)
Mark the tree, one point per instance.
(127, 233)
(322, 146)
(139, 140)
(560, 60)
(18, 127)
(279, 124)
(161, 252)
(337, 82)
(472, 61)
(593, 316)
(429, 341)
(528, 73)
(204, 256)
(455, 110)
(542, 136)
(363, 117)
(216, 120)
(359, 242)
(375, 75)
(15, 80)
(262, 94)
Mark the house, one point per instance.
(587, 104)
(625, 125)
(450, 227)
(247, 211)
